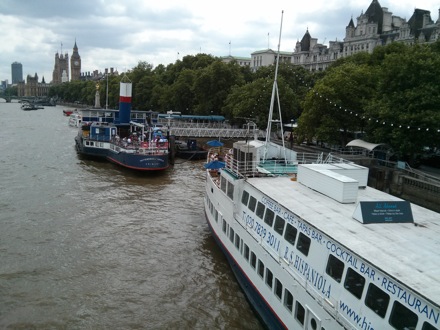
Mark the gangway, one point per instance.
(210, 132)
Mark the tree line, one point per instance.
(391, 96)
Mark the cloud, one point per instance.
(119, 34)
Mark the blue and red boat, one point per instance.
(125, 137)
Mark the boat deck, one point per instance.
(408, 251)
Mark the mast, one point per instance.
(272, 101)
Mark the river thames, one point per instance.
(90, 245)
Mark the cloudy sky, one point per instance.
(120, 33)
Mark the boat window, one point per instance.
(427, 326)
(260, 210)
(279, 225)
(223, 184)
(253, 260)
(288, 300)
(231, 235)
(335, 268)
(402, 317)
(216, 216)
(268, 217)
(290, 234)
(303, 244)
(377, 300)
(354, 283)
(237, 241)
(245, 198)
(300, 313)
(252, 203)
(230, 190)
(224, 226)
(260, 268)
(246, 252)
(269, 278)
(278, 288)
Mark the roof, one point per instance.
(363, 144)
(406, 251)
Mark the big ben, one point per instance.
(75, 64)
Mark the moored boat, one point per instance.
(118, 138)
(68, 112)
(190, 150)
(313, 247)
(75, 119)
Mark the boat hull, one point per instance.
(139, 162)
(258, 303)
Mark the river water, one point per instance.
(89, 245)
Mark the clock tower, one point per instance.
(75, 64)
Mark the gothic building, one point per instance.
(31, 87)
(376, 27)
(75, 64)
(61, 69)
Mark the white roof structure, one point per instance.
(406, 251)
(365, 145)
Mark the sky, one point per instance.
(120, 33)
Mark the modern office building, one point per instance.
(17, 72)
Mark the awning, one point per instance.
(365, 145)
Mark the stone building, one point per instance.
(61, 69)
(31, 87)
(75, 64)
(376, 27)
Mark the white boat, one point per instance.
(313, 247)
(75, 119)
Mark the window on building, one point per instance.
(245, 198)
(223, 184)
(300, 313)
(377, 300)
(290, 234)
(246, 252)
(288, 300)
(402, 318)
(279, 225)
(230, 192)
(252, 203)
(260, 210)
(278, 288)
(253, 260)
(303, 244)
(260, 268)
(354, 283)
(427, 326)
(269, 278)
(335, 268)
(237, 241)
(268, 217)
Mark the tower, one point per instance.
(17, 72)
(75, 64)
(61, 68)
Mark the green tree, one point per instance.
(335, 106)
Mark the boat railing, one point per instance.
(275, 167)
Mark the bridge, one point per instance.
(202, 132)
(212, 130)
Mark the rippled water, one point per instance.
(89, 245)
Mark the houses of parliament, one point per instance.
(31, 87)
